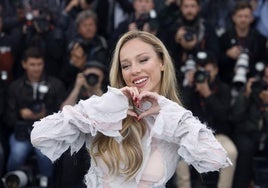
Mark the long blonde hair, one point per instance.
(130, 154)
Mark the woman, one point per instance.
(137, 131)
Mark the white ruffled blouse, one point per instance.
(174, 134)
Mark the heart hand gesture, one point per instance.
(139, 99)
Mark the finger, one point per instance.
(135, 96)
(126, 91)
(148, 95)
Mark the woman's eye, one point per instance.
(124, 66)
(144, 60)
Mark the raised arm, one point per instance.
(197, 144)
(74, 125)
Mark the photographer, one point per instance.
(190, 34)
(209, 99)
(87, 46)
(30, 97)
(241, 38)
(249, 116)
(35, 25)
(88, 83)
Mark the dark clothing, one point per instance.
(249, 117)
(52, 44)
(254, 42)
(21, 95)
(214, 109)
(105, 13)
(207, 41)
(166, 17)
(247, 112)
(70, 170)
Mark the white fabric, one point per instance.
(173, 134)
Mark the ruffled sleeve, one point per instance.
(72, 126)
(197, 144)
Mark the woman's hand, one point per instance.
(139, 98)
(151, 97)
(131, 93)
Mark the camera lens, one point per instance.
(188, 36)
(200, 76)
(92, 79)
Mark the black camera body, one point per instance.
(200, 76)
(189, 34)
(142, 19)
(259, 86)
(92, 79)
(39, 101)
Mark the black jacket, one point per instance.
(21, 95)
(212, 110)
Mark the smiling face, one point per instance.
(141, 66)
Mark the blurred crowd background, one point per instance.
(57, 52)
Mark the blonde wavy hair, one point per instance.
(130, 154)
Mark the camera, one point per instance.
(190, 64)
(189, 34)
(40, 23)
(24, 177)
(259, 84)
(4, 75)
(92, 79)
(149, 18)
(17, 178)
(241, 69)
(200, 76)
(38, 103)
(196, 63)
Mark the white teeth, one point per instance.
(140, 81)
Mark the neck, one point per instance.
(33, 79)
(242, 32)
(190, 23)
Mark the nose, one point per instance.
(136, 68)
